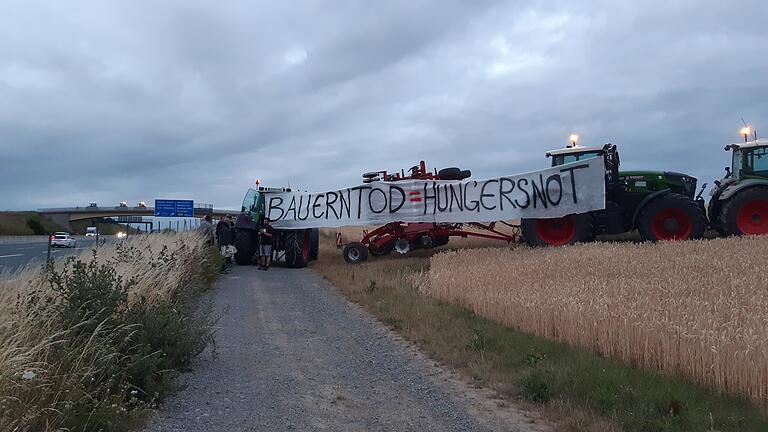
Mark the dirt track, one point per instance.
(293, 354)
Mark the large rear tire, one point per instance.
(672, 217)
(746, 213)
(314, 244)
(575, 228)
(245, 244)
(297, 246)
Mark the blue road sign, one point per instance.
(174, 208)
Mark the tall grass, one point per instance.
(88, 342)
(694, 308)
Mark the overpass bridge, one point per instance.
(63, 216)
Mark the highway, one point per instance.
(17, 253)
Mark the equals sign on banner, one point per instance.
(415, 196)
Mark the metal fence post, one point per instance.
(48, 256)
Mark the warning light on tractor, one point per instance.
(258, 182)
(574, 139)
(746, 131)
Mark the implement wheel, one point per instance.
(672, 217)
(578, 228)
(746, 213)
(355, 253)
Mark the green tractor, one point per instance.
(296, 247)
(739, 202)
(659, 204)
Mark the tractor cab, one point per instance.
(252, 210)
(573, 154)
(253, 202)
(748, 160)
(739, 201)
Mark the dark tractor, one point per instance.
(659, 204)
(739, 202)
(296, 247)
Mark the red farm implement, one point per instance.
(405, 237)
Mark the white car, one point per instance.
(61, 239)
(90, 231)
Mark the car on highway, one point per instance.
(62, 239)
(90, 231)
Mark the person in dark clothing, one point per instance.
(206, 228)
(224, 236)
(232, 231)
(266, 238)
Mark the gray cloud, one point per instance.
(113, 101)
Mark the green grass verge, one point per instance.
(543, 372)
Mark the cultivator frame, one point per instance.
(404, 237)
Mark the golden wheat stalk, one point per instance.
(697, 308)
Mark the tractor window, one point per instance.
(558, 160)
(736, 163)
(758, 161)
(249, 202)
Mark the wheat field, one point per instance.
(697, 308)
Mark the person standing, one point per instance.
(266, 238)
(224, 235)
(206, 228)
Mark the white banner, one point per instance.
(578, 187)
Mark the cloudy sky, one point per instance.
(112, 101)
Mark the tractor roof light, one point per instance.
(574, 139)
(258, 182)
(746, 130)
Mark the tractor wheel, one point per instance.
(355, 253)
(746, 213)
(245, 244)
(672, 217)
(576, 228)
(453, 173)
(382, 250)
(314, 244)
(297, 246)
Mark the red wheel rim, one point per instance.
(752, 217)
(305, 246)
(556, 232)
(672, 224)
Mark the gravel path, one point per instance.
(293, 354)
